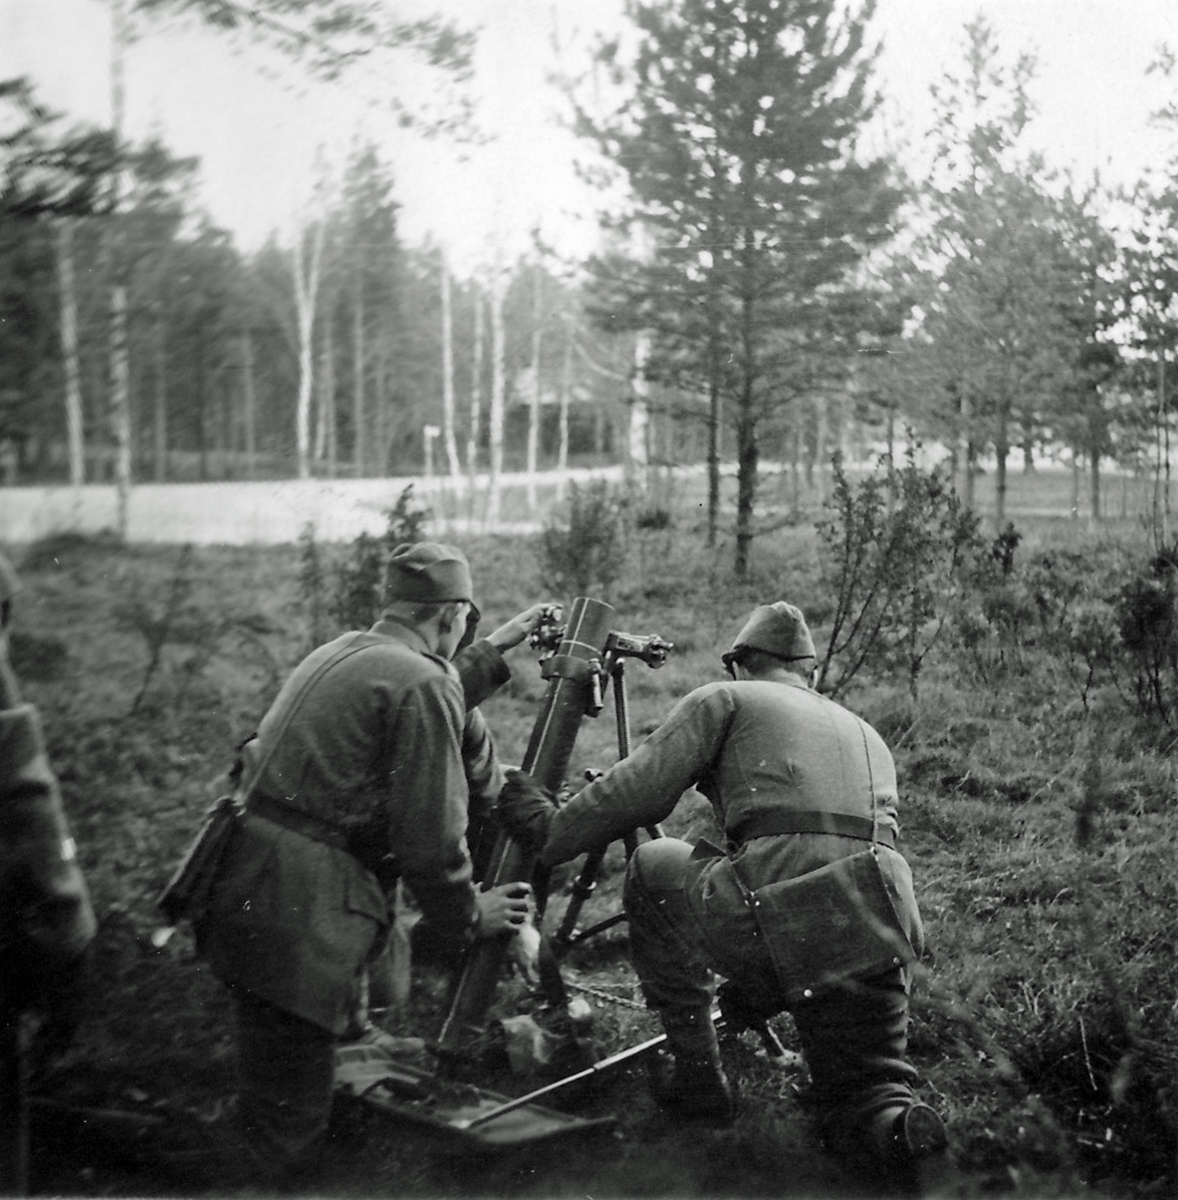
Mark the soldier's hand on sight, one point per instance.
(521, 625)
(503, 909)
(525, 809)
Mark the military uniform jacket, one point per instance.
(374, 749)
(47, 919)
(751, 747)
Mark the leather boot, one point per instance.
(905, 1135)
(694, 1084)
(911, 1146)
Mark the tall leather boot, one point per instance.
(910, 1144)
(693, 1085)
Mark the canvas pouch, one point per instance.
(187, 894)
(830, 925)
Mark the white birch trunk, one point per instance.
(358, 377)
(160, 423)
(566, 383)
(75, 430)
(498, 387)
(448, 435)
(476, 400)
(534, 399)
(251, 419)
(306, 285)
(637, 455)
(120, 377)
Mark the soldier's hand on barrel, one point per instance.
(525, 809)
(503, 909)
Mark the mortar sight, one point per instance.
(549, 633)
(651, 648)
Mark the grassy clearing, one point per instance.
(1040, 832)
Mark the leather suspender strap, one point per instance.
(278, 811)
(784, 821)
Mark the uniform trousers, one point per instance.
(286, 1074)
(688, 923)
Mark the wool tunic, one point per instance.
(46, 920)
(375, 750)
(752, 747)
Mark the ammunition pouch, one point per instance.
(187, 894)
(844, 921)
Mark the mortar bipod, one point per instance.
(567, 933)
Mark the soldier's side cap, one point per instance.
(778, 629)
(428, 572)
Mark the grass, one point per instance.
(1043, 1017)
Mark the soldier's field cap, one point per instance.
(777, 629)
(429, 572)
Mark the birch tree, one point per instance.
(306, 260)
(448, 434)
(120, 370)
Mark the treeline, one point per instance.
(769, 289)
(221, 342)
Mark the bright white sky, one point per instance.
(257, 135)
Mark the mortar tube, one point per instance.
(546, 760)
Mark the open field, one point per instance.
(1038, 818)
(275, 511)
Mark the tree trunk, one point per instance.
(1163, 447)
(534, 399)
(1074, 498)
(306, 285)
(120, 372)
(821, 433)
(448, 375)
(498, 385)
(1001, 450)
(251, 407)
(637, 456)
(966, 450)
(202, 446)
(713, 454)
(326, 439)
(381, 416)
(120, 376)
(1094, 478)
(159, 424)
(476, 403)
(795, 466)
(746, 479)
(358, 438)
(566, 386)
(808, 450)
(75, 429)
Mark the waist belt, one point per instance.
(297, 821)
(782, 821)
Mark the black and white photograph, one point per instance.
(589, 599)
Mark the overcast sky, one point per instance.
(257, 135)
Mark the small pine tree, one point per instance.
(584, 546)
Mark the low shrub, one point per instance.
(583, 548)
